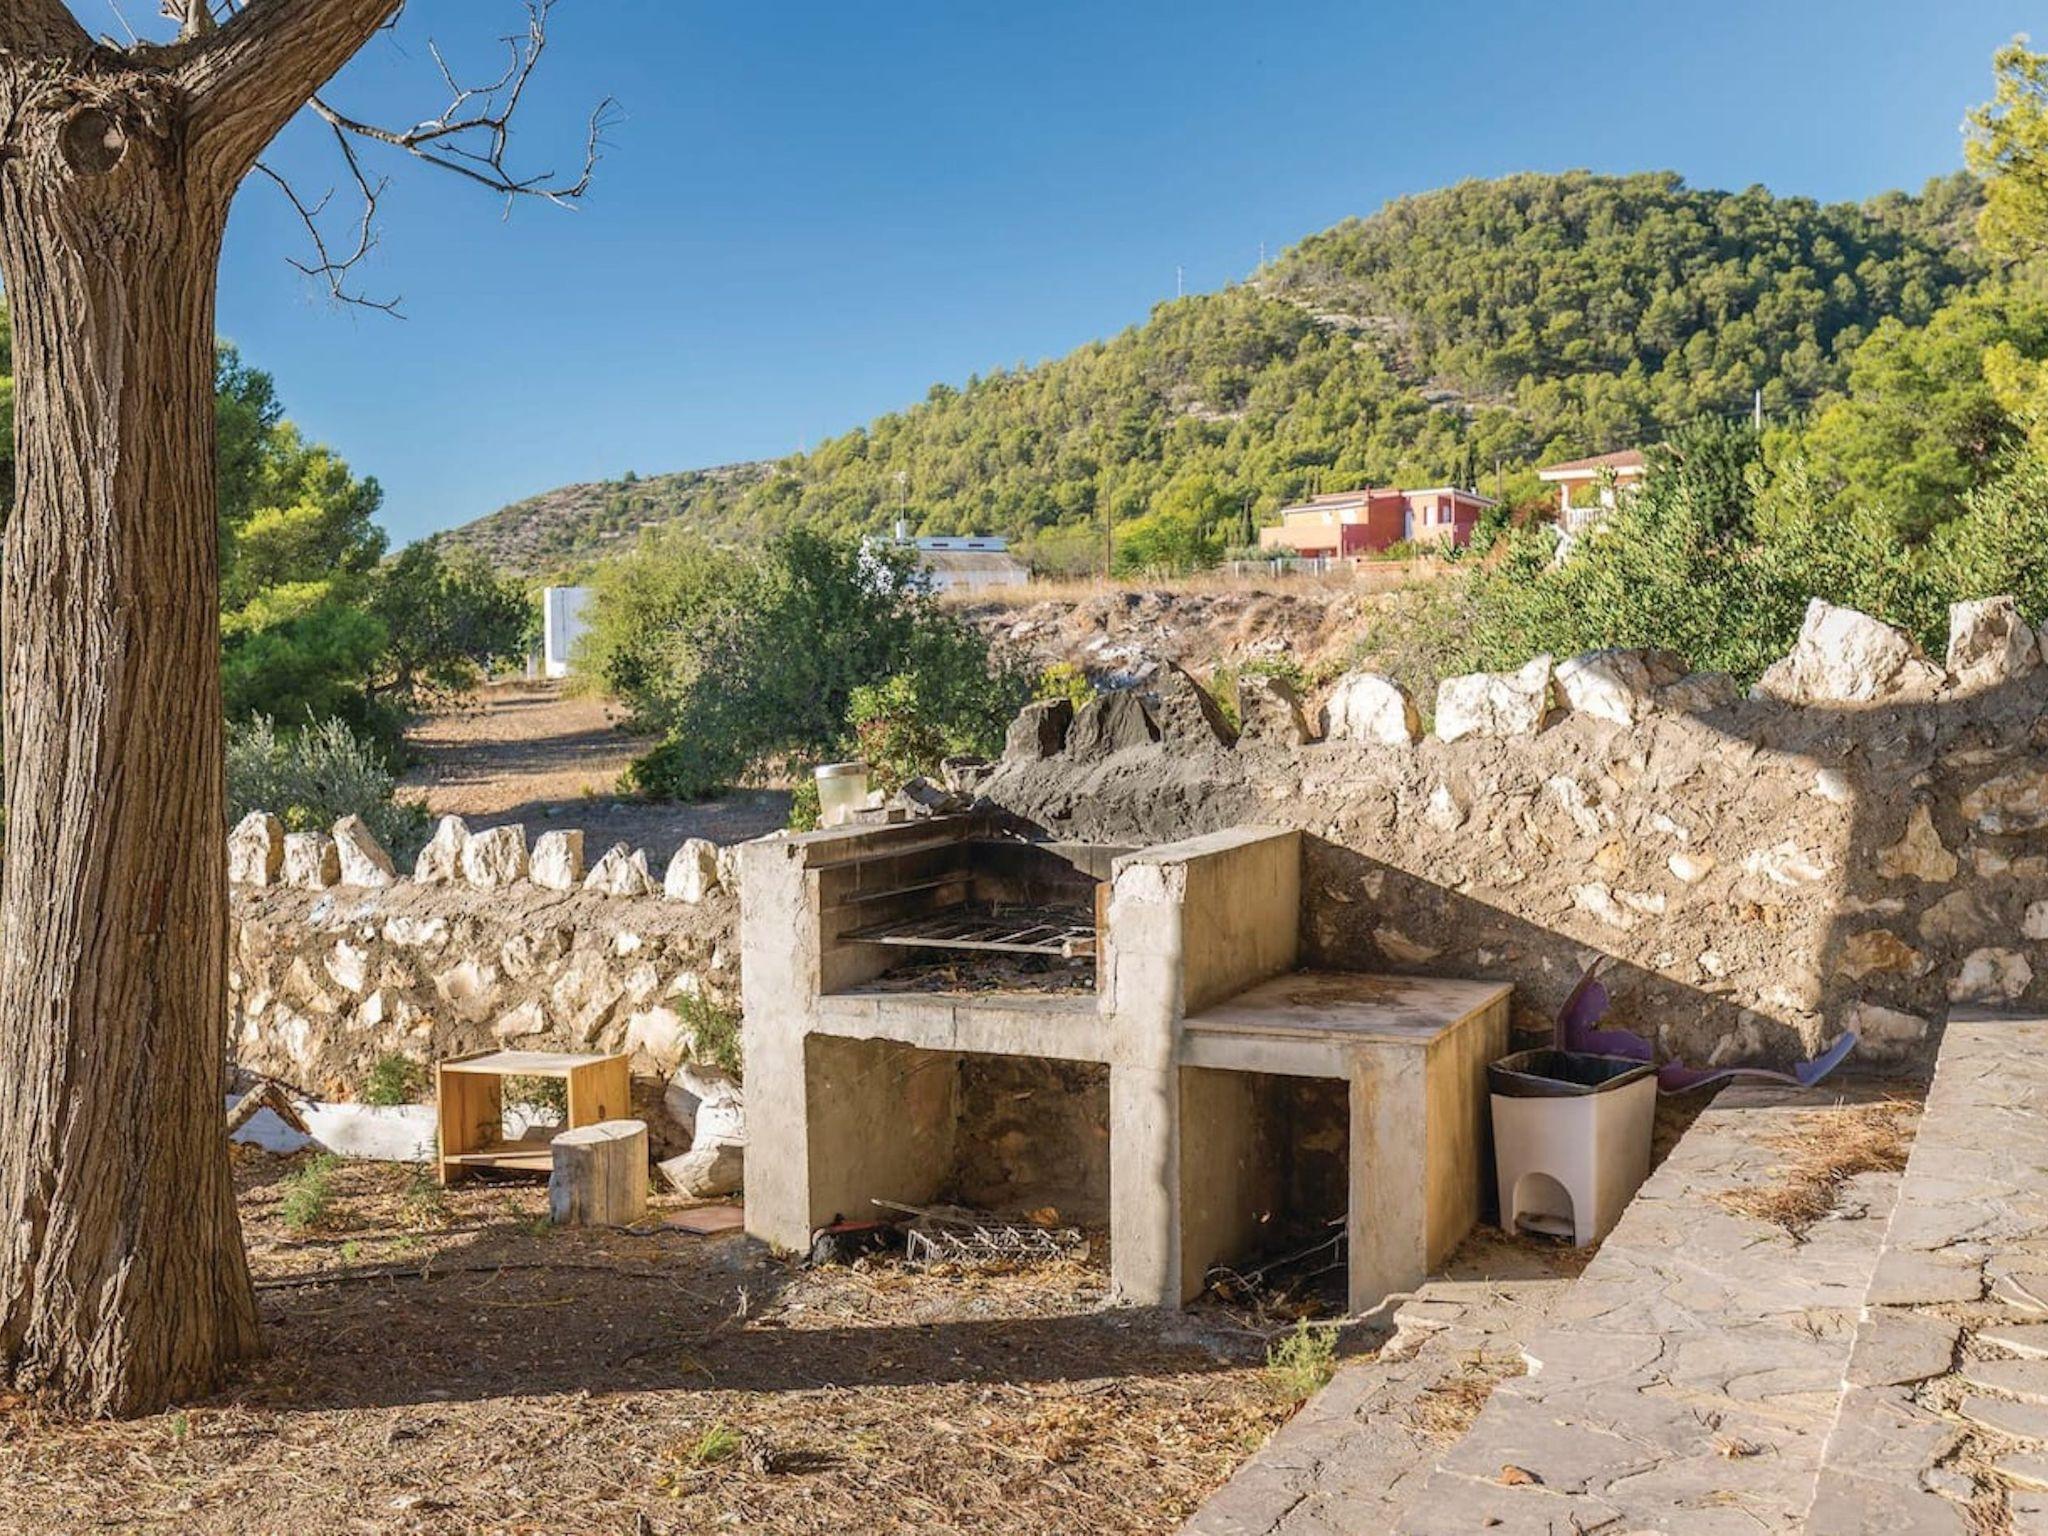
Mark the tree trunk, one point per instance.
(123, 1284)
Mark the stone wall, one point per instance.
(1861, 841)
(325, 978)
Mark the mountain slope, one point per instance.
(1491, 324)
(561, 530)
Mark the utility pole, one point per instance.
(1180, 287)
(1759, 418)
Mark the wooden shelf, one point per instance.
(471, 1107)
(526, 1156)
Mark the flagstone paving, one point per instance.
(1344, 1465)
(1690, 1378)
(1943, 1428)
(1883, 1371)
(1685, 1383)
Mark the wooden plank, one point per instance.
(522, 1063)
(469, 1114)
(599, 1090)
(522, 1156)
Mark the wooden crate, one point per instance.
(470, 1091)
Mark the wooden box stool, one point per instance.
(471, 1104)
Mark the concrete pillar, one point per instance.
(1229, 1170)
(1388, 1225)
(1190, 924)
(779, 965)
(883, 1119)
(1144, 981)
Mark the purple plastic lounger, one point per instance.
(1588, 1004)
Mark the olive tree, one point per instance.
(123, 1283)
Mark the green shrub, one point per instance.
(805, 809)
(955, 704)
(714, 1031)
(1719, 555)
(744, 659)
(309, 1194)
(1063, 680)
(686, 767)
(393, 1080)
(311, 777)
(1300, 1364)
(1418, 636)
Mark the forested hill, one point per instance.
(1495, 323)
(569, 527)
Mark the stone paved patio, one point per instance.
(1685, 1385)
(1944, 1420)
(1690, 1377)
(1345, 1464)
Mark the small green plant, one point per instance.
(715, 1029)
(181, 1428)
(1280, 664)
(351, 1251)
(393, 1080)
(309, 1194)
(721, 1442)
(1300, 1364)
(1063, 680)
(1224, 678)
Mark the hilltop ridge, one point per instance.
(1457, 334)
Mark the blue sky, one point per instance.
(811, 211)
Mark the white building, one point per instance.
(561, 615)
(965, 563)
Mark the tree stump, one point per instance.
(600, 1177)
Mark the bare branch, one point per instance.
(472, 138)
(248, 78)
(472, 134)
(330, 265)
(40, 28)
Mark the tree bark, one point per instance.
(123, 1284)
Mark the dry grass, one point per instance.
(1447, 1409)
(458, 1366)
(1824, 1150)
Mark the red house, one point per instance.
(1348, 524)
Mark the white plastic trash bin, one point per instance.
(1571, 1140)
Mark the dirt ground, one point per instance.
(532, 752)
(447, 1362)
